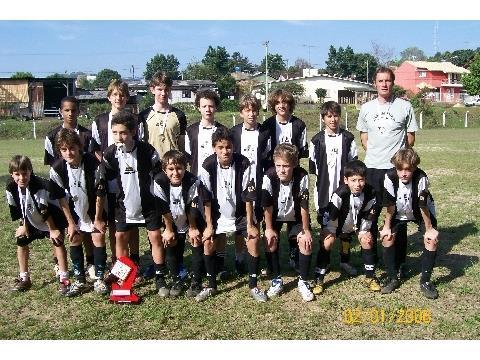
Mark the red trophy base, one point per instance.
(122, 289)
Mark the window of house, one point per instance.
(422, 74)
(186, 94)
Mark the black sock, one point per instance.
(294, 250)
(304, 265)
(389, 261)
(345, 251)
(400, 245)
(135, 258)
(275, 263)
(211, 271)
(180, 250)
(90, 259)
(428, 262)
(253, 265)
(368, 262)
(172, 261)
(197, 263)
(160, 270)
(78, 263)
(220, 261)
(323, 259)
(100, 260)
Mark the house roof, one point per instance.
(444, 66)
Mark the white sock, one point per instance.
(63, 275)
(24, 275)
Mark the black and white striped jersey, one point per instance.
(293, 132)
(51, 153)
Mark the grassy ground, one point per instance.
(345, 311)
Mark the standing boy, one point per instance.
(285, 127)
(407, 198)
(330, 150)
(28, 200)
(350, 213)
(285, 201)
(228, 178)
(253, 141)
(178, 191)
(72, 182)
(130, 164)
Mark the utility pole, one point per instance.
(367, 71)
(266, 72)
(133, 72)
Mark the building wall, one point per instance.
(178, 96)
(406, 76)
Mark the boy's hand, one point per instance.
(252, 232)
(100, 225)
(306, 237)
(21, 231)
(72, 230)
(168, 238)
(386, 234)
(271, 237)
(431, 235)
(207, 233)
(194, 236)
(57, 237)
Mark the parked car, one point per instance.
(472, 102)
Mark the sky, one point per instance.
(43, 47)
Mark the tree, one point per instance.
(297, 69)
(84, 83)
(471, 82)
(197, 71)
(237, 60)
(382, 54)
(461, 58)
(104, 77)
(276, 65)
(345, 63)
(56, 76)
(217, 60)
(295, 89)
(412, 53)
(321, 94)
(169, 64)
(22, 75)
(226, 86)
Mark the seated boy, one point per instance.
(285, 200)
(330, 150)
(350, 211)
(178, 191)
(285, 127)
(253, 141)
(131, 163)
(72, 182)
(228, 178)
(407, 198)
(28, 200)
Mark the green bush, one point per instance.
(229, 105)
(95, 109)
(185, 107)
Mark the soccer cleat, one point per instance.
(90, 272)
(161, 285)
(100, 287)
(276, 288)
(349, 269)
(21, 284)
(177, 288)
(205, 294)
(63, 287)
(372, 284)
(318, 288)
(76, 288)
(390, 286)
(428, 290)
(258, 294)
(304, 290)
(194, 289)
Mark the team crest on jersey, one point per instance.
(304, 196)
(129, 170)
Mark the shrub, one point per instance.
(229, 105)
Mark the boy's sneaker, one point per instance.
(163, 290)
(205, 294)
(276, 288)
(304, 290)
(177, 288)
(182, 272)
(258, 294)
(318, 288)
(390, 286)
(349, 269)
(428, 290)
(63, 287)
(91, 276)
(194, 289)
(372, 284)
(100, 287)
(22, 285)
(76, 288)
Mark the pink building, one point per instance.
(442, 78)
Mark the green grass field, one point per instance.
(345, 311)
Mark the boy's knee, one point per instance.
(23, 241)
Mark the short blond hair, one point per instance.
(121, 86)
(405, 156)
(247, 101)
(286, 152)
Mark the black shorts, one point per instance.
(293, 228)
(152, 224)
(33, 234)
